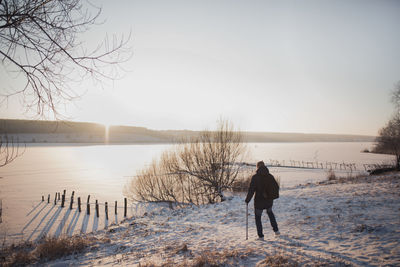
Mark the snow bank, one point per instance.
(355, 222)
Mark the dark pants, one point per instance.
(272, 220)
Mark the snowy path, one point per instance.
(342, 223)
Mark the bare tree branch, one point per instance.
(9, 150)
(396, 96)
(38, 40)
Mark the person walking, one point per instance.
(266, 189)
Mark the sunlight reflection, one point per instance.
(107, 133)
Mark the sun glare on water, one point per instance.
(107, 133)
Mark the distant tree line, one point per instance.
(68, 127)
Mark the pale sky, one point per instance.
(276, 66)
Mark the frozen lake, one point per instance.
(103, 170)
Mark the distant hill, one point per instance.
(30, 131)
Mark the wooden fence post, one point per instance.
(125, 206)
(97, 209)
(88, 205)
(48, 198)
(106, 210)
(63, 198)
(42, 198)
(115, 207)
(62, 201)
(79, 204)
(72, 201)
(55, 199)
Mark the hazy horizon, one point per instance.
(177, 130)
(323, 67)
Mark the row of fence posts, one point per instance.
(314, 164)
(58, 197)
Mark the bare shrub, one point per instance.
(331, 176)
(195, 171)
(153, 184)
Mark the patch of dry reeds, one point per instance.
(277, 260)
(53, 248)
(49, 248)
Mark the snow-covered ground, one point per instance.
(355, 222)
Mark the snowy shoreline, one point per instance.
(343, 222)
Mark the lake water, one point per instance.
(103, 170)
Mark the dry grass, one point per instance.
(20, 258)
(205, 258)
(48, 248)
(241, 184)
(331, 176)
(16, 255)
(277, 260)
(209, 258)
(177, 248)
(53, 248)
(183, 248)
(152, 264)
(215, 258)
(350, 178)
(234, 257)
(364, 228)
(278, 180)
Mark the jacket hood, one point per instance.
(263, 170)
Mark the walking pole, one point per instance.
(247, 221)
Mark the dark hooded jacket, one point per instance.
(261, 180)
